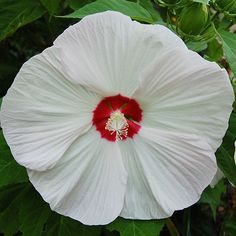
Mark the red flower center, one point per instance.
(117, 118)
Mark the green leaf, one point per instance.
(15, 14)
(134, 10)
(202, 1)
(10, 171)
(22, 209)
(225, 153)
(197, 46)
(75, 4)
(201, 221)
(8, 70)
(64, 226)
(148, 5)
(52, 6)
(214, 50)
(212, 196)
(33, 213)
(10, 199)
(137, 227)
(229, 227)
(229, 46)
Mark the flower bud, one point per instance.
(193, 19)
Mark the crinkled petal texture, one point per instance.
(88, 184)
(182, 92)
(47, 117)
(107, 51)
(43, 112)
(167, 171)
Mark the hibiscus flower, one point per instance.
(117, 118)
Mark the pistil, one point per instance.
(117, 124)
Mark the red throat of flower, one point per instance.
(117, 118)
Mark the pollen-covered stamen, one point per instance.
(117, 118)
(117, 124)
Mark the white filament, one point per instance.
(118, 124)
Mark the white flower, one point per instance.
(117, 118)
(218, 176)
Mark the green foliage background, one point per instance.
(29, 26)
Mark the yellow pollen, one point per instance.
(117, 124)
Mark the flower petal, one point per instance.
(167, 172)
(182, 92)
(88, 184)
(107, 51)
(43, 112)
(218, 176)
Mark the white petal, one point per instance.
(218, 176)
(107, 51)
(167, 172)
(182, 92)
(88, 184)
(43, 112)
